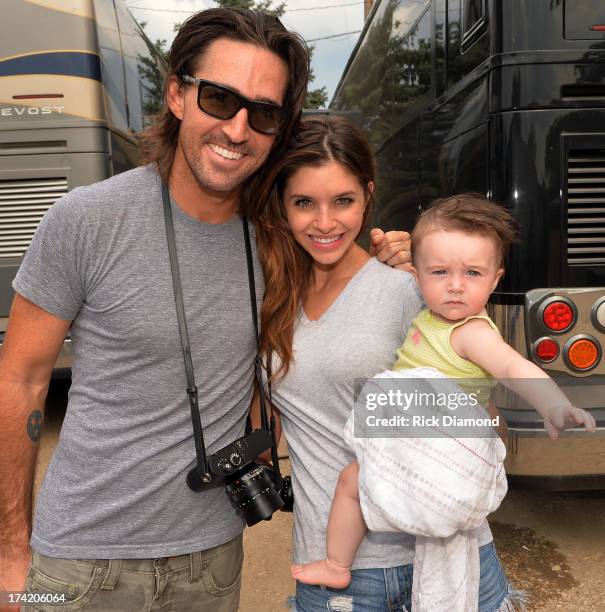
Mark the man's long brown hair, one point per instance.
(159, 142)
(287, 266)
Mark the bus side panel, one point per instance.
(452, 165)
(39, 175)
(397, 202)
(527, 177)
(125, 154)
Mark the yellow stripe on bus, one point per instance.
(81, 97)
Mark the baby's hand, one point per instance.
(563, 417)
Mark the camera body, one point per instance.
(249, 485)
(240, 453)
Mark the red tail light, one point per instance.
(558, 315)
(36, 96)
(546, 350)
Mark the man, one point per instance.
(116, 527)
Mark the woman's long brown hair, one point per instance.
(286, 265)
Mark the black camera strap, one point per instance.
(258, 363)
(192, 392)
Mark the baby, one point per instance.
(458, 251)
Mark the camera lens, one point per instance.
(252, 491)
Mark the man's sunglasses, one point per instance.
(222, 103)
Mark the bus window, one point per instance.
(370, 90)
(473, 17)
(466, 48)
(413, 63)
(440, 25)
(143, 72)
(111, 63)
(129, 37)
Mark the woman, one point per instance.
(332, 314)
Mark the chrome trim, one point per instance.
(520, 328)
(593, 313)
(584, 300)
(510, 320)
(65, 357)
(530, 432)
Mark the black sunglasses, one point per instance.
(222, 103)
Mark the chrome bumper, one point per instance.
(531, 454)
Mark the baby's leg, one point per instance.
(346, 529)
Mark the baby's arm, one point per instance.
(479, 343)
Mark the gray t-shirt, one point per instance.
(356, 337)
(116, 484)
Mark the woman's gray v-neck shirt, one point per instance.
(356, 337)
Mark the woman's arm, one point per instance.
(255, 421)
(479, 343)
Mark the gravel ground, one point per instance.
(552, 545)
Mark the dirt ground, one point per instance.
(552, 545)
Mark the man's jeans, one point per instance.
(390, 590)
(206, 580)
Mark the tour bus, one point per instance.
(506, 99)
(78, 79)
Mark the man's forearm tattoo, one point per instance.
(34, 425)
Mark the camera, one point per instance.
(251, 486)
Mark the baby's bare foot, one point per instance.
(324, 572)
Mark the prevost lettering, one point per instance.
(20, 111)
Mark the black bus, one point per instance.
(505, 98)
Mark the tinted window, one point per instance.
(144, 76)
(391, 69)
(463, 53)
(412, 64)
(454, 37)
(440, 26)
(473, 14)
(111, 63)
(366, 94)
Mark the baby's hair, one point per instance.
(470, 213)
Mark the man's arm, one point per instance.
(31, 344)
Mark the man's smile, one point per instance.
(225, 153)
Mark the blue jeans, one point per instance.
(390, 590)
